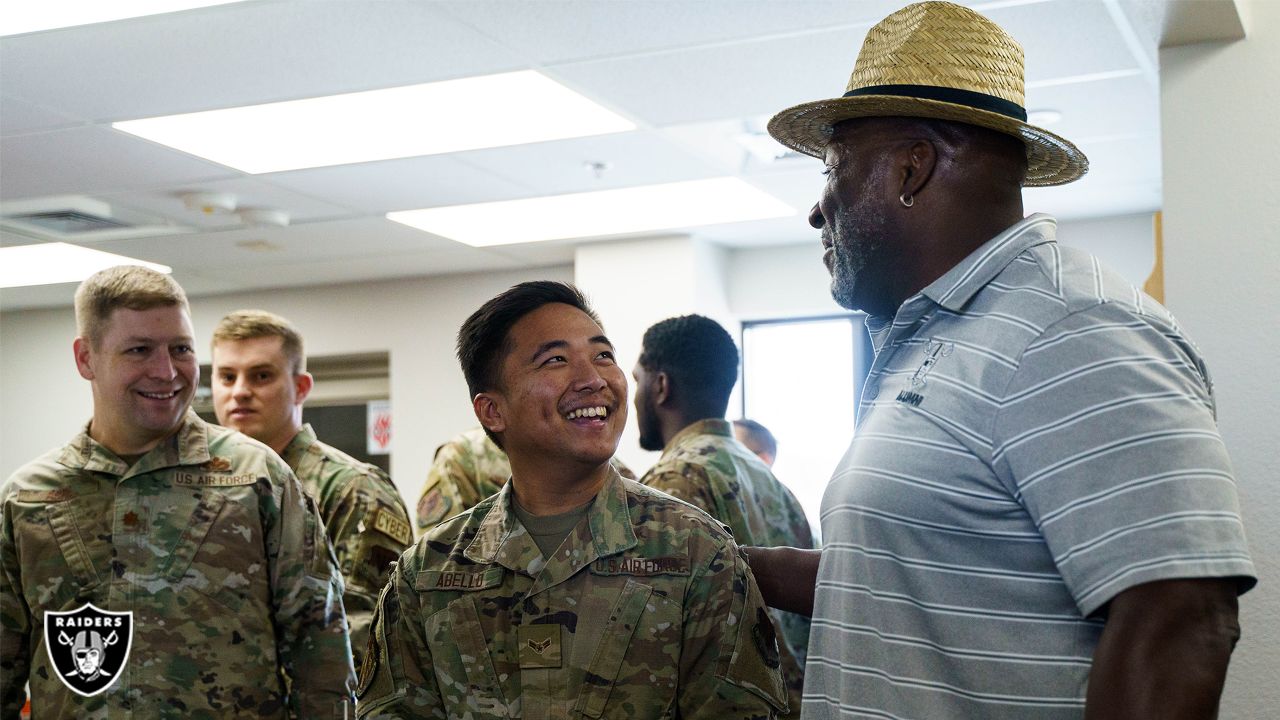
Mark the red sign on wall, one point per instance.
(378, 427)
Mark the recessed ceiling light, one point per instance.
(25, 17)
(450, 116)
(49, 263)
(603, 212)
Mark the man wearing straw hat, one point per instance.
(1036, 517)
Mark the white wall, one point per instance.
(635, 283)
(1222, 281)
(43, 402)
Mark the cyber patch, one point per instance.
(386, 522)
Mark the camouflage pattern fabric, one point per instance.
(468, 469)
(705, 465)
(212, 544)
(364, 517)
(647, 610)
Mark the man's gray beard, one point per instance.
(849, 265)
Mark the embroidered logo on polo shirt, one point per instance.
(934, 352)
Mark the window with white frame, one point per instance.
(801, 379)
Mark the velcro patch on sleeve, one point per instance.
(386, 522)
(432, 507)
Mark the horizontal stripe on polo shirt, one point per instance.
(1035, 436)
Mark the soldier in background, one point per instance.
(203, 534)
(466, 470)
(260, 382)
(757, 439)
(572, 591)
(687, 368)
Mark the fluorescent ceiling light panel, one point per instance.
(49, 263)
(593, 214)
(440, 117)
(24, 16)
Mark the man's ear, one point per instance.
(919, 161)
(489, 411)
(661, 387)
(84, 358)
(302, 384)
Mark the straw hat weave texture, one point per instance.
(937, 60)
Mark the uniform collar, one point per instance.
(500, 538)
(189, 445)
(959, 284)
(298, 446)
(706, 426)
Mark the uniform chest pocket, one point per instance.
(215, 547)
(634, 671)
(77, 530)
(463, 663)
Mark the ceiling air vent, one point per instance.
(68, 222)
(77, 218)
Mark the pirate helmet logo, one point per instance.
(88, 647)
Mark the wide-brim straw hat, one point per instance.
(937, 60)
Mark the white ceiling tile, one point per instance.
(557, 32)
(1065, 38)
(94, 159)
(38, 296)
(721, 81)
(540, 253)
(248, 192)
(372, 237)
(242, 54)
(372, 268)
(404, 184)
(694, 73)
(19, 116)
(797, 188)
(637, 158)
(1122, 106)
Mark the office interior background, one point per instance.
(618, 145)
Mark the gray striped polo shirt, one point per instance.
(1035, 436)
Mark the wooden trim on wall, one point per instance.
(1154, 286)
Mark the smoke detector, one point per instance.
(210, 203)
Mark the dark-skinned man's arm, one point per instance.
(787, 576)
(1164, 651)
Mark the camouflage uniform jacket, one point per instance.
(211, 543)
(706, 466)
(365, 519)
(653, 598)
(468, 469)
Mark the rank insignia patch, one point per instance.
(88, 647)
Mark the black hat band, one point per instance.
(968, 98)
